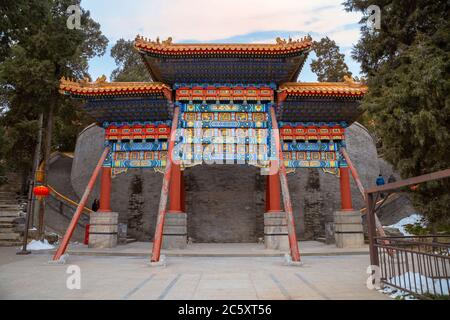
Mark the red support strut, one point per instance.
(361, 189)
(73, 223)
(295, 254)
(157, 241)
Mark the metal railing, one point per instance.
(419, 265)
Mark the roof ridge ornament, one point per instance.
(167, 42)
(101, 80)
(351, 82)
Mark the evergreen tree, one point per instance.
(130, 65)
(37, 50)
(407, 63)
(3, 148)
(330, 64)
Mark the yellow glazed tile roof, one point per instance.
(346, 88)
(167, 47)
(102, 87)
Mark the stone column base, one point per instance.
(275, 231)
(103, 229)
(175, 231)
(348, 229)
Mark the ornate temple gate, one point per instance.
(226, 105)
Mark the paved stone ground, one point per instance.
(307, 248)
(320, 277)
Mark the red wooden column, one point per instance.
(183, 194)
(175, 190)
(346, 193)
(273, 193)
(105, 190)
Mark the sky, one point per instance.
(224, 21)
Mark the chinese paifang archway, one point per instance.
(228, 101)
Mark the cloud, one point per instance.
(206, 20)
(257, 21)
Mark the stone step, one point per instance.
(9, 236)
(9, 209)
(8, 193)
(7, 203)
(9, 214)
(130, 240)
(6, 243)
(7, 219)
(7, 196)
(6, 225)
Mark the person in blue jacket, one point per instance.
(380, 180)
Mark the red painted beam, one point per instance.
(354, 172)
(73, 223)
(295, 254)
(157, 241)
(361, 189)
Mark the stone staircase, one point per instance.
(11, 223)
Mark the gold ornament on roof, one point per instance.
(280, 41)
(85, 80)
(167, 42)
(101, 79)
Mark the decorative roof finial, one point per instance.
(101, 79)
(168, 41)
(280, 41)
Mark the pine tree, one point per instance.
(407, 63)
(38, 50)
(330, 64)
(129, 62)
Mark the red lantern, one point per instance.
(41, 192)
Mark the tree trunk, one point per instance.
(47, 153)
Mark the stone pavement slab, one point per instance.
(143, 249)
(321, 277)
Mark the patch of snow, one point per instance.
(417, 283)
(395, 293)
(39, 245)
(412, 219)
